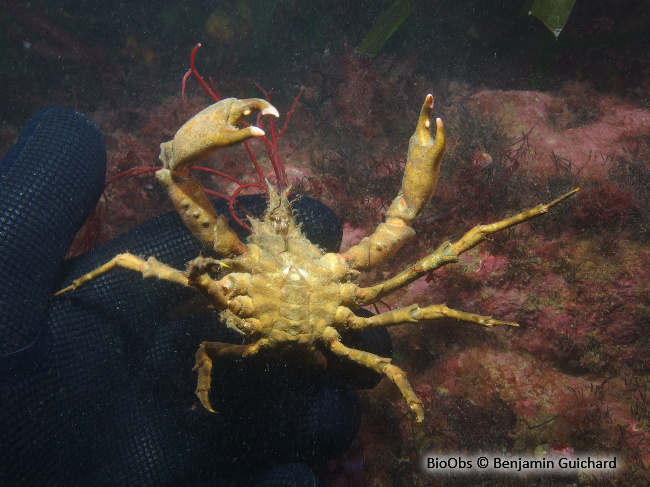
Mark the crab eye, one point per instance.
(280, 225)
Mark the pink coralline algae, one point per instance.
(575, 373)
(585, 143)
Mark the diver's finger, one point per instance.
(49, 182)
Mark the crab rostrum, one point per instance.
(277, 288)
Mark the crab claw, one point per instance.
(423, 161)
(211, 129)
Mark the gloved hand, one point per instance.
(96, 386)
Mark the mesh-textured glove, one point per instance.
(96, 386)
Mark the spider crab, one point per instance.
(277, 288)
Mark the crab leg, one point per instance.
(449, 252)
(347, 320)
(208, 131)
(209, 351)
(154, 269)
(382, 365)
(418, 185)
(150, 268)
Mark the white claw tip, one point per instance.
(271, 111)
(257, 132)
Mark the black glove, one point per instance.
(96, 386)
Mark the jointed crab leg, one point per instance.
(449, 252)
(150, 268)
(196, 276)
(209, 351)
(346, 320)
(418, 185)
(331, 340)
(154, 269)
